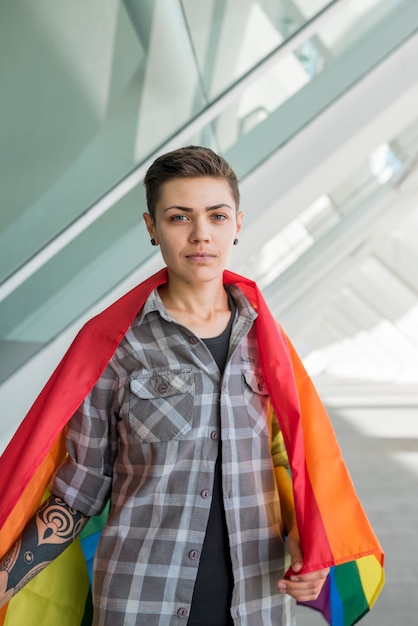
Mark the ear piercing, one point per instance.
(235, 242)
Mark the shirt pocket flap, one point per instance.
(162, 384)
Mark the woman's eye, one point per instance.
(178, 218)
(219, 217)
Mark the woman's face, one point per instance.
(195, 225)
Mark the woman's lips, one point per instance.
(200, 257)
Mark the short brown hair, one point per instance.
(187, 162)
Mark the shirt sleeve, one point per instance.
(278, 449)
(84, 479)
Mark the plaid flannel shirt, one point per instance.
(147, 438)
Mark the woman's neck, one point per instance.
(203, 309)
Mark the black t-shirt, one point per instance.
(211, 600)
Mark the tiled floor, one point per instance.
(380, 446)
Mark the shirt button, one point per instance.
(214, 435)
(162, 388)
(193, 341)
(193, 554)
(205, 493)
(182, 612)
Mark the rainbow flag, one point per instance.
(332, 535)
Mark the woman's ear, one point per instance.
(149, 223)
(240, 216)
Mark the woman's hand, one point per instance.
(303, 587)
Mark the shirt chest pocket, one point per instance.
(161, 405)
(256, 399)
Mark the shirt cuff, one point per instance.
(81, 488)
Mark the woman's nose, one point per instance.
(200, 231)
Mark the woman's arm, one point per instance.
(287, 504)
(303, 587)
(53, 527)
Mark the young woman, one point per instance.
(178, 434)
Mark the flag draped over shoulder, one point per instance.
(333, 527)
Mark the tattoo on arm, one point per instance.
(54, 526)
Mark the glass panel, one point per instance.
(300, 84)
(73, 281)
(88, 90)
(230, 37)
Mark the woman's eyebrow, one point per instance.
(218, 206)
(189, 210)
